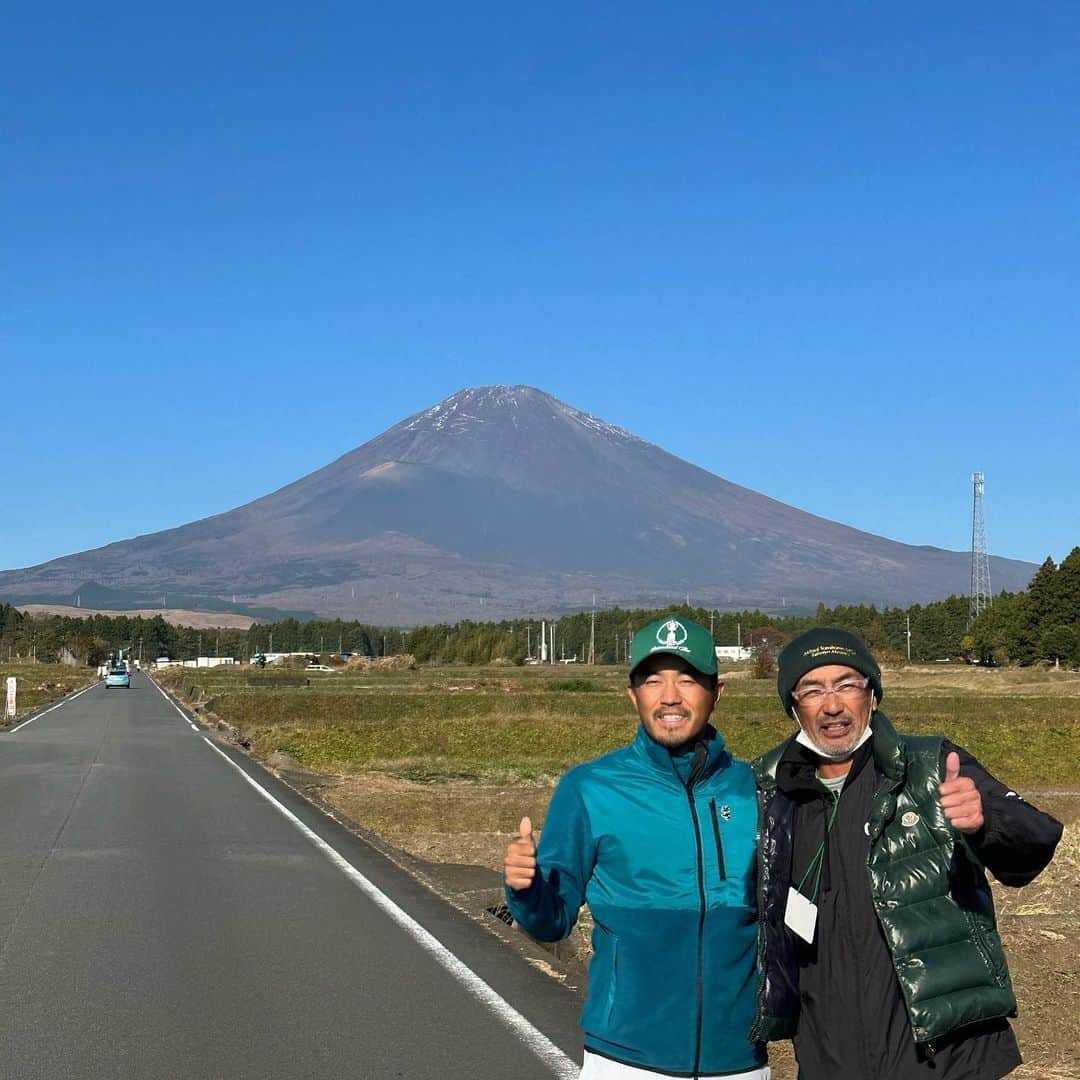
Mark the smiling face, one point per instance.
(673, 700)
(835, 720)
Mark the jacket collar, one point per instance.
(659, 758)
(888, 748)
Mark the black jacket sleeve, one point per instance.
(1017, 841)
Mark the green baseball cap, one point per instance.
(679, 637)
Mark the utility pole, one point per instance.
(592, 633)
(908, 619)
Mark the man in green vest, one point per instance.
(878, 948)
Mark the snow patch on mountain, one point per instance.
(481, 404)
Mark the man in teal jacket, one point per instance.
(658, 838)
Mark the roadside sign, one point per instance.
(11, 695)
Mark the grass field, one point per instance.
(510, 725)
(442, 763)
(40, 684)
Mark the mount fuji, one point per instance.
(504, 501)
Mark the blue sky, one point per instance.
(827, 251)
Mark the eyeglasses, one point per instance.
(849, 688)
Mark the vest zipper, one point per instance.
(978, 938)
(719, 840)
(701, 927)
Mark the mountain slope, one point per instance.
(500, 501)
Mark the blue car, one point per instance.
(118, 676)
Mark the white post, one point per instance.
(11, 695)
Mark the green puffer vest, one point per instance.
(929, 891)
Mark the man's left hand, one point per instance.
(960, 798)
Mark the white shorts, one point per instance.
(596, 1067)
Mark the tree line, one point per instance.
(1040, 624)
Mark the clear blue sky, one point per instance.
(828, 251)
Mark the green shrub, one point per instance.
(575, 686)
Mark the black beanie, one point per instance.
(818, 647)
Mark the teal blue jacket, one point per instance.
(663, 850)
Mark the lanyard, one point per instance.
(819, 856)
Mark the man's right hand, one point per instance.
(520, 860)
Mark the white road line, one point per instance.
(535, 1039)
(58, 705)
(194, 727)
(184, 716)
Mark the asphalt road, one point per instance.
(162, 918)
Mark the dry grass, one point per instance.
(405, 662)
(197, 620)
(945, 678)
(40, 684)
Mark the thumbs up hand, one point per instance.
(520, 862)
(960, 798)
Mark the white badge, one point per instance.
(801, 915)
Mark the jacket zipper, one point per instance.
(701, 928)
(763, 798)
(719, 840)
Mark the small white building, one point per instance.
(733, 652)
(198, 662)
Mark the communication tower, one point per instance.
(980, 560)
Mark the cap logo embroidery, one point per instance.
(725, 812)
(671, 634)
(830, 650)
(909, 819)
